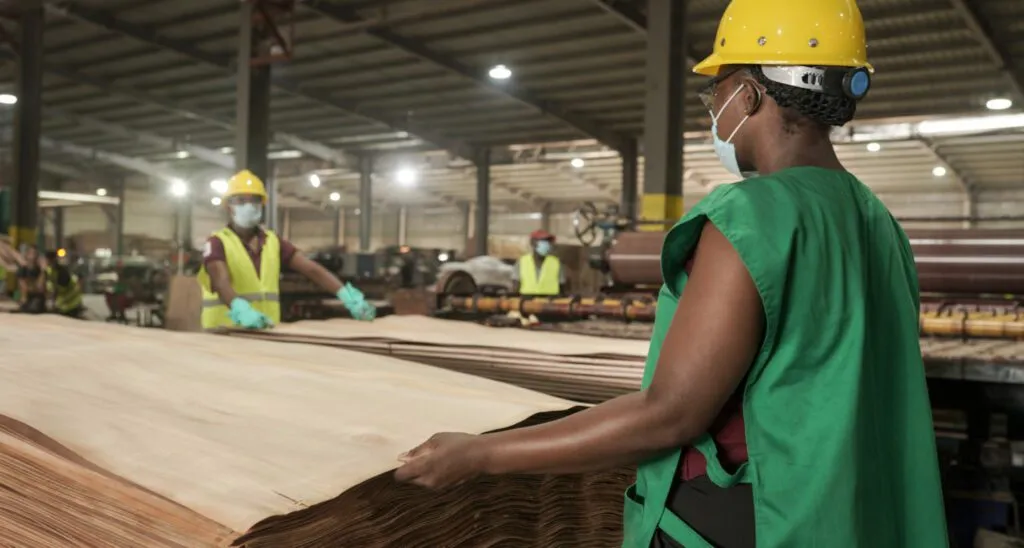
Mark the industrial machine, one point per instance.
(378, 275)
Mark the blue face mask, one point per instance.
(725, 150)
(543, 247)
(246, 215)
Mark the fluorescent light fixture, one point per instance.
(578, 163)
(979, 124)
(500, 72)
(335, 196)
(182, 154)
(220, 186)
(101, 192)
(314, 180)
(406, 176)
(8, 99)
(216, 200)
(999, 103)
(874, 147)
(284, 155)
(226, 150)
(939, 171)
(179, 188)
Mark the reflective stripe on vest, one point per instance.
(545, 284)
(260, 289)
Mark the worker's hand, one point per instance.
(244, 315)
(444, 460)
(356, 304)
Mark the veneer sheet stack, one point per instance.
(577, 367)
(582, 368)
(124, 437)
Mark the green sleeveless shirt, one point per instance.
(838, 423)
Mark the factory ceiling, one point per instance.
(132, 86)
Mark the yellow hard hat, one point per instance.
(244, 183)
(794, 33)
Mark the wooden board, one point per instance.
(235, 430)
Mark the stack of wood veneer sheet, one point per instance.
(580, 368)
(125, 437)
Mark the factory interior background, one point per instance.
(411, 148)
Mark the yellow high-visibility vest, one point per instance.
(67, 298)
(261, 290)
(545, 284)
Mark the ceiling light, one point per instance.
(578, 163)
(314, 180)
(335, 196)
(357, 211)
(101, 192)
(978, 124)
(182, 154)
(500, 72)
(179, 188)
(215, 200)
(939, 171)
(406, 177)
(220, 186)
(874, 147)
(999, 103)
(226, 150)
(8, 99)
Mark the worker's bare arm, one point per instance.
(715, 334)
(316, 273)
(220, 281)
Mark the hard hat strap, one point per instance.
(851, 82)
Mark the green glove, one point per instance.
(356, 304)
(244, 315)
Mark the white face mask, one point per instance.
(725, 150)
(246, 215)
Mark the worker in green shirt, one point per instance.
(784, 401)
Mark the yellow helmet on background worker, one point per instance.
(789, 33)
(246, 183)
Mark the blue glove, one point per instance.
(356, 304)
(244, 315)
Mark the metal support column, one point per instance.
(252, 107)
(365, 202)
(483, 200)
(122, 197)
(58, 221)
(630, 181)
(403, 225)
(186, 224)
(28, 117)
(545, 217)
(286, 224)
(339, 227)
(663, 114)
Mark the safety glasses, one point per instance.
(708, 93)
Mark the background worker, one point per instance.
(31, 283)
(62, 287)
(783, 401)
(242, 266)
(539, 272)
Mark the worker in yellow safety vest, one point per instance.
(242, 266)
(62, 287)
(539, 272)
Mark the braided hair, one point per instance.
(801, 107)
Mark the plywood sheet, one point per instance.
(235, 430)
